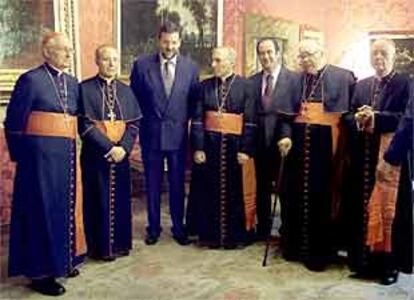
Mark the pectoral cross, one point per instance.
(111, 116)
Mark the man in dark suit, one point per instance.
(164, 84)
(276, 91)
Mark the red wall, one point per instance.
(96, 23)
(345, 25)
(343, 22)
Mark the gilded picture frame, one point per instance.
(285, 32)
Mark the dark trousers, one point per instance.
(154, 173)
(267, 159)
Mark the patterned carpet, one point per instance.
(169, 271)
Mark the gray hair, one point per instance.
(310, 46)
(386, 41)
(231, 53)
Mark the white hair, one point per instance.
(310, 46)
(385, 41)
(231, 53)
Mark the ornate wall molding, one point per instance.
(66, 20)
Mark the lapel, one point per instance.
(257, 85)
(154, 75)
(279, 89)
(178, 80)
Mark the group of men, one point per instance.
(329, 132)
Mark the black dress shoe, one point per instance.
(73, 273)
(230, 246)
(107, 258)
(123, 253)
(290, 257)
(208, 244)
(389, 277)
(261, 237)
(151, 240)
(364, 274)
(183, 241)
(315, 266)
(48, 286)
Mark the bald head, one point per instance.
(311, 57)
(383, 56)
(57, 50)
(107, 60)
(223, 61)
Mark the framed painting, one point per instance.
(285, 33)
(22, 25)
(139, 21)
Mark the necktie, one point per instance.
(267, 95)
(168, 78)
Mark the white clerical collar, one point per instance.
(380, 77)
(275, 72)
(106, 80)
(59, 72)
(172, 60)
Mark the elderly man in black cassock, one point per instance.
(46, 235)
(222, 135)
(380, 227)
(108, 126)
(315, 158)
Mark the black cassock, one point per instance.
(107, 186)
(388, 97)
(216, 211)
(44, 240)
(308, 180)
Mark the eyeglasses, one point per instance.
(305, 54)
(62, 49)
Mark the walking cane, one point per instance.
(278, 187)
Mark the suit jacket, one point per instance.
(164, 125)
(285, 101)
